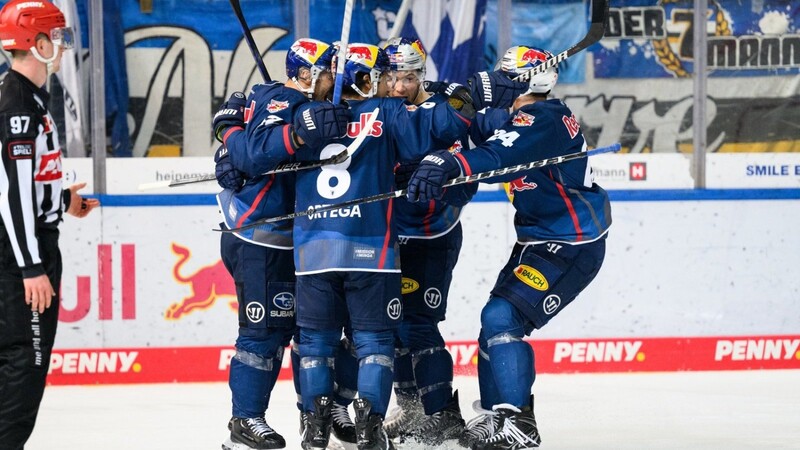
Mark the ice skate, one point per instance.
(248, 434)
(317, 432)
(518, 430)
(404, 417)
(369, 428)
(343, 436)
(480, 427)
(440, 426)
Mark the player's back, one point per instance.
(363, 237)
(556, 202)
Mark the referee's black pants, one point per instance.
(26, 340)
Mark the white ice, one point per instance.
(683, 410)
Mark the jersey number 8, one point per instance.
(334, 180)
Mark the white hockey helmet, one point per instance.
(520, 59)
(405, 54)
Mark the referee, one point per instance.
(32, 203)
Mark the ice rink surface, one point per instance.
(683, 410)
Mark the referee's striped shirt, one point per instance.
(31, 195)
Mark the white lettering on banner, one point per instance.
(463, 354)
(93, 362)
(586, 352)
(757, 349)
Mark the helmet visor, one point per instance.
(64, 37)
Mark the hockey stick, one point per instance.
(459, 180)
(248, 37)
(400, 19)
(342, 56)
(596, 31)
(283, 168)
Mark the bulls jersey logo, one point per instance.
(354, 128)
(275, 106)
(522, 120)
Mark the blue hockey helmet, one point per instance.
(363, 58)
(311, 54)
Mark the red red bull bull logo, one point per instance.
(207, 284)
(309, 49)
(358, 53)
(532, 55)
(522, 119)
(275, 106)
(521, 185)
(456, 147)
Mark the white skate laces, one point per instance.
(341, 416)
(510, 432)
(484, 425)
(259, 427)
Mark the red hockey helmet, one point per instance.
(22, 20)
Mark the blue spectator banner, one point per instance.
(654, 39)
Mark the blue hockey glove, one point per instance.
(403, 172)
(495, 89)
(227, 175)
(433, 171)
(230, 114)
(317, 123)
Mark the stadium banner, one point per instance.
(169, 365)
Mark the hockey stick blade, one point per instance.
(248, 37)
(596, 31)
(335, 159)
(459, 180)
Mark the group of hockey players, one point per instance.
(360, 290)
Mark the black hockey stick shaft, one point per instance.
(459, 180)
(596, 31)
(248, 37)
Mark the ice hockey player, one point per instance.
(347, 259)
(258, 132)
(562, 219)
(430, 240)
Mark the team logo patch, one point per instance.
(409, 285)
(433, 298)
(255, 312)
(394, 308)
(411, 108)
(551, 304)
(275, 106)
(522, 119)
(284, 301)
(20, 150)
(531, 277)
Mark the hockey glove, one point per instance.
(495, 89)
(433, 171)
(230, 114)
(403, 172)
(457, 95)
(227, 175)
(320, 122)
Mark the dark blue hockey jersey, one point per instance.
(435, 217)
(553, 203)
(364, 237)
(264, 144)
